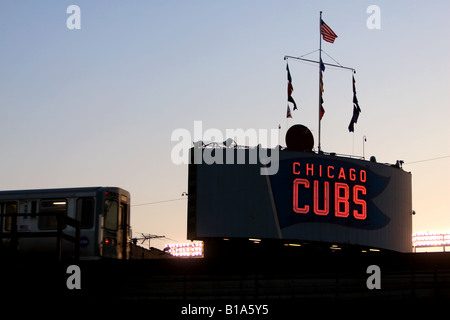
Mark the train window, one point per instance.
(111, 215)
(48, 209)
(85, 212)
(10, 208)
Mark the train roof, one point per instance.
(29, 193)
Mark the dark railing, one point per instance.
(62, 220)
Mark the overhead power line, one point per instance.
(431, 159)
(155, 202)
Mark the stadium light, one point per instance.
(431, 239)
(189, 249)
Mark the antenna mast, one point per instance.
(146, 237)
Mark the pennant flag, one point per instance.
(326, 32)
(288, 114)
(356, 109)
(290, 88)
(322, 65)
(322, 110)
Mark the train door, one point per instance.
(125, 226)
(85, 212)
(115, 228)
(121, 233)
(123, 247)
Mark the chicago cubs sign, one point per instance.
(312, 198)
(327, 190)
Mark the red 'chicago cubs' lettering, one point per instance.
(330, 192)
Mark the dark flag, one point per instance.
(288, 114)
(322, 110)
(290, 88)
(326, 32)
(356, 109)
(322, 65)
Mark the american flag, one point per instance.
(326, 32)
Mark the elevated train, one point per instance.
(30, 219)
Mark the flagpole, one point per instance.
(320, 70)
(328, 35)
